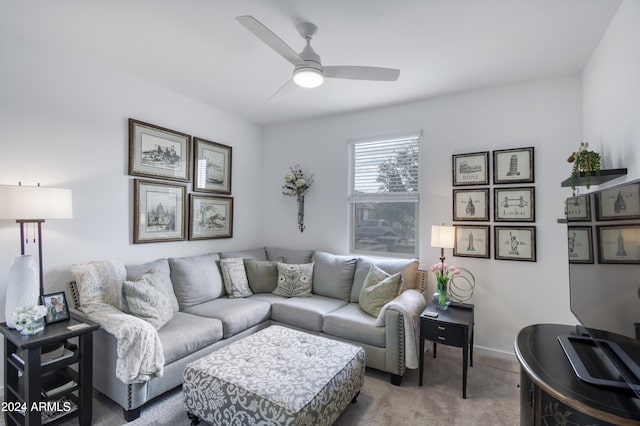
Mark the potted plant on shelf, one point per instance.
(585, 161)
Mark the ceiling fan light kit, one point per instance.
(308, 70)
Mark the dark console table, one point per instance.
(550, 390)
(24, 373)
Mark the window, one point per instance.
(384, 196)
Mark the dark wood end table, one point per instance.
(452, 327)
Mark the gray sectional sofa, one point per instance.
(205, 318)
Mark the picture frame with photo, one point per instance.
(513, 166)
(472, 241)
(210, 217)
(580, 240)
(578, 208)
(159, 212)
(515, 243)
(514, 204)
(57, 307)
(212, 163)
(471, 205)
(619, 244)
(470, 169)
(619, 203)
(158, 152)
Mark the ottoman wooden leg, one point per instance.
(195, 420)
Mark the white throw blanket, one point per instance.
(139, 350)
(410, 304)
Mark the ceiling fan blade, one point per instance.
(284, 90)
(362, 73)
(269, 38)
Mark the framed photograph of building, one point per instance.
(471, 204)
(514, 204)
(158, 152)
(515, 243)
(619, 203)
(471, 169)
(619, 244)
(159, 212)
(211, 167)
(578, 209)
(513, 166)
(580, 244)
(210, 217)
(472, 241)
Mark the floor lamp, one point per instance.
(34, 204)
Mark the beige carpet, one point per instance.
(492, 398)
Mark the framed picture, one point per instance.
(57, 308)
(210, 217)
(578, 209)
(211, 167)
(471, 204)
(472, 241)
(580, 244)
(471, 169)
(619, 244)
(158, 152)
(159, 212)
(514, 204)
(515, 243)
(619, 203)
(513, 166)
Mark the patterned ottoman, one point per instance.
(277, 376)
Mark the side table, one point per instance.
(452, 327)
(24, 401)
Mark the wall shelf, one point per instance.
(605, 176)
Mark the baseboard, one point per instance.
(494, 353)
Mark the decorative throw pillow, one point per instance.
(147, 299)
(235, 277)
(379, 289)
(262, 275)
(294, 280)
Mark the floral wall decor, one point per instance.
(296, 185)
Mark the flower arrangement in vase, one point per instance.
(30, 319)
(443, 273)
(296, 185)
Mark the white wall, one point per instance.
(544, 114)
(63, 123)
(611, 93)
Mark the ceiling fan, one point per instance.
(308, 71)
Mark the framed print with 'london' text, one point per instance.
(513, 166)
(472, 241)
(211, 167)
(159, 212)
(578, 209)
(514, 204)
(515, 243)
(470, 169)
(471, 204)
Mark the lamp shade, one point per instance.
(443, 236)
(35, 202)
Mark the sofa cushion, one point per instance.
(256, 254)
(134, 272)
(196, 279)
(147, 299)
(294, 280)
(379, 289)
(185, 334)
(236, 315)
(289, 256)
(333, 275)
(262, 275)
(349, 322)
(408, 267)
(304, 313)
(235, 277)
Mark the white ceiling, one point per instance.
(197, 48)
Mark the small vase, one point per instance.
(301, 213)
(442, 296)
(32, 327)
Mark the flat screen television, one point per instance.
(603, 233)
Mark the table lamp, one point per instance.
(443, 237)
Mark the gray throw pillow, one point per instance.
(294, 280)
(134, 272)
(147, 298)
(333, 275)
(262, 275)
(235, 278)
(408, 268)
(379, 289)
(196, 279)
(289, 256)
